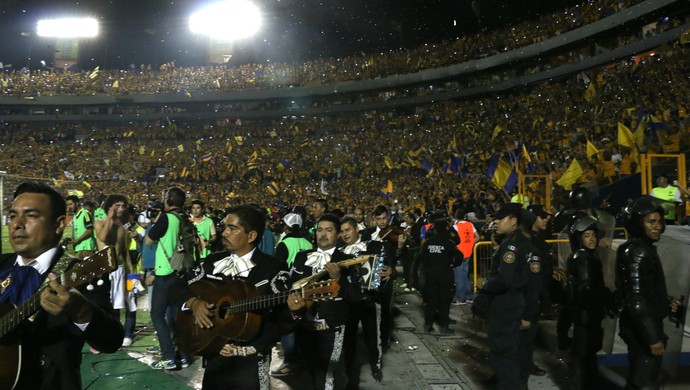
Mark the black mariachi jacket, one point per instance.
(335, 312)
(52, 346)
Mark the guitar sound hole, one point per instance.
(224, 313)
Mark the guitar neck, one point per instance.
(261, 302)
(23, 311)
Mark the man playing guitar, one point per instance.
(51, 344)
(238, 364)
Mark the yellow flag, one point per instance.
(116, 84)
(497, 130)
(591, 150)
(388, 162)
(590, 92)
(142, 149)
(86, 184)
(625, 137)
(571, 175)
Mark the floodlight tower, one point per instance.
(225, 22)
(66, 32)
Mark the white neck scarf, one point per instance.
(234, 265)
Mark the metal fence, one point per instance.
(483, 251)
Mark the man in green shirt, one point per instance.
(205, 227)
(82, 223)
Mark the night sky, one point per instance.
(156, 31)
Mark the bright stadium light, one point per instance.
(67, 28)
(227, 20)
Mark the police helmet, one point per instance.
(579, 198)
(634, 215)
(580, 226)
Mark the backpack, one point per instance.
(186, 251)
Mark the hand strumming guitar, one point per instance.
(56, 300)
(201, 311)
(333, 270)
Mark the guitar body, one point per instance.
(10, 350)
(227, 327)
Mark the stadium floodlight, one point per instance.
(227, 20)
(67, 28)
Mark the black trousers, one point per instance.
(504, 339)
(245, 373)
(526, 349)
(368, 313)
(385, 297)
(644, 369)
(323, 350)
(438, 293)
(583, 356)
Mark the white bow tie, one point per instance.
(317, 260)
(355, 248)
(233, 265)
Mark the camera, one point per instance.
(154, 208)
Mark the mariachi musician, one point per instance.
(368, 310)
(392, 240)
(238, 365)
(320, 328)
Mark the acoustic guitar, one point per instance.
(11, 316)
(235, 314)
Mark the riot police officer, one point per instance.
(641, 286)
(588, 297)
(504, 284)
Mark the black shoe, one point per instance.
(536, 371)
(446, 330)
(565, 343)
(428, 328)
(377, 375)
(452, 321)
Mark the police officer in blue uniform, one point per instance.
(505, 283)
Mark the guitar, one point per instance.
(234, 313)
(11, 316)
(344, 263)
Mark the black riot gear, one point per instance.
(634, 216)
(580, 199)
(582, 225)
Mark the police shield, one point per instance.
(672, 250)
(608, 265)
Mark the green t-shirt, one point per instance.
(81, 223)
(204, 228)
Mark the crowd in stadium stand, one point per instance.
(353, 157)
(171, 79)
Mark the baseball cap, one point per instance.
(538, 210)
(507, 209)
(291, 219)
